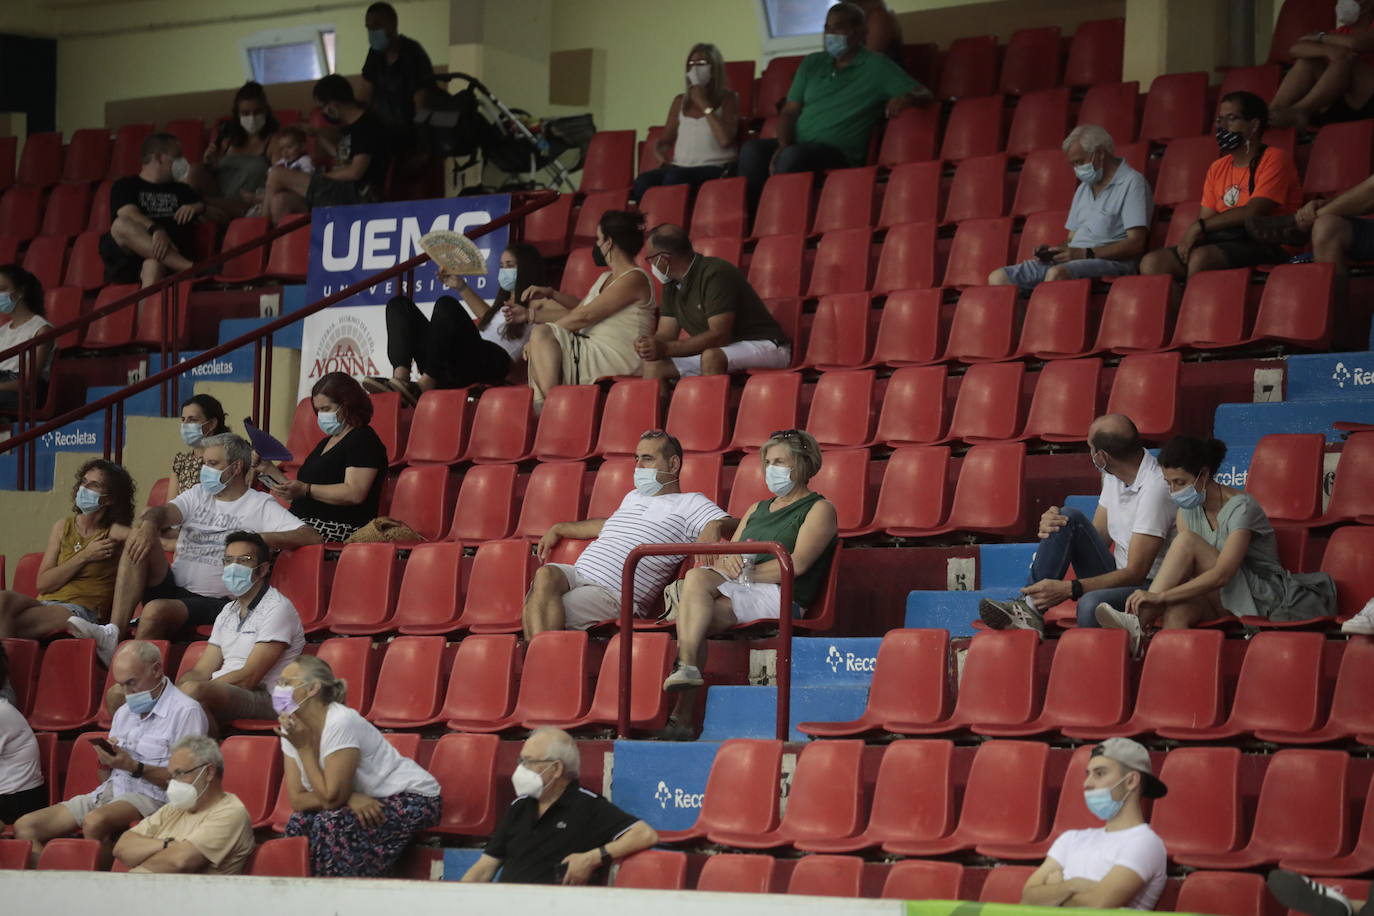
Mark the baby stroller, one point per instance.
(472, 125)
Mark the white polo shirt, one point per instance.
(149, 739)
(1145, 507)
(271, 618)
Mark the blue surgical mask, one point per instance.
(1190, 497)
(836, 45)
(329, 422)
(647, 482)
(377, 40)
(779, 479)
(6, 303)
(212, 481)
(141, 703)
(87, 500)
(1086, 173)
(238, 579)
(192, 433)
(505, 277)
(1101, 803)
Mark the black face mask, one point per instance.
(598, 256)
(1228, 140)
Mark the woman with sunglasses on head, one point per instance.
(745, 588)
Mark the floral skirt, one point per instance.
(341, 847)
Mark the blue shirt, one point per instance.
(1125, 203)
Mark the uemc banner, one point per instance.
(349, 244)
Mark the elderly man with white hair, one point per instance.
(201, 829)
(154, 717)
(1109, 219)
(556, 831)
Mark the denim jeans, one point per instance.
(693, 175)
(799, 157)
(1078, 544)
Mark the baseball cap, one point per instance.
(1133, 756)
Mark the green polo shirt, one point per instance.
(714, 286)
(841, 105)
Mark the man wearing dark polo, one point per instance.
(556, 831)
(728, 326)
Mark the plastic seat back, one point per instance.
(1089, 680)
(1213, 309)
(1202, 813)
(485, 508)
(631, 408)
(970, 68)
(974, 128)
(1302, 810)
(70, 854)
(424, 498)
(126, 156)
(14, 854)
(594, 206)
(579, 273)
(912, 195)
(1112, 106)
(1340, 158)
(481, 682)
(913, 799)
(984, 325)
(430, 599)
(1046, 183)
(653, 869)
(253, 771)
(908, 502)
(776, 269)
(846, 200)
(1004, 799)
(609, 165)
(827, 876)
(559, 693)
(247, 266)
(988, 408)
(979, 190)
(1056, 320)
(665, 204)
(21, 212)
(980, 247)
(1146, 389)
(1286, 475)
(742, 789)
(283, 857)
(1226, 893)
(737, 873)
(1040, 123)
(289, 258)
(1095, 53)
(502, 425)
(1346, 562)
(839, 332)
(88, 155)
(497, 583)
(989, 496)
(842, 263)
(719, 211)
(842, 408)
(553, 495)
(85, 270)
(651, 661)
(999, 683)
(300, 575)
(1136, 314)
(770, 401)
(1176, 106)
(1180, 683)
(915, 879)
(1031, 61)
(366, 580)
(699, 412)
(567, 427)
(907, 261)
(438, 427)
(910, 137)
(547, 230)
(1296, 307)
(45, 257)
(1004, 883)
(23, 657)
(909, 328)
(40, 165)
(67, 210)
(1183, 169)
(68, 683)
(1065, 401)
(410, 685)
(353, 659)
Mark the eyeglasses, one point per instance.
(181, 774)
(1229, 119)
(250, 562)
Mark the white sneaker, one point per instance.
(684, 677)
(1298, 892)
(1112, 619)
(1362, 624)
(105, 635)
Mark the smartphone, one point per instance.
(1045, 253)
(104, 745)
(272, 479)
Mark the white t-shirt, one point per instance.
(272, 618)
(1092, 853)
(663, 519)
(514, 347)
(11, 336)
(20, 768)
(1145, 507)
(206, 522)
(382, 772)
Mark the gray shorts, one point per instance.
(82, 805)
(585, 603)
(76, 610)
(1031, 273)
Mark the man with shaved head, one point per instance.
(1112, 555)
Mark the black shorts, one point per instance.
(1245, 252)
(200, 610)
(120, 266)
(327, 192)
(1361, 239)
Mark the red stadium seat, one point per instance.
(610, 161)
(559, 693)
(1343, 562)
(438, 426)
(1095, 53)
(979, 190)
(974, 128)
(1176, 106)
(910, 137)
(486, 504)
(300, 575)
(775, 271)
(1262, 80)
(1056, 322)
(1340, 158)
(1182, 170)
(988, 408)
(1065, 401)
(1361, 858)
(785, 204)
(88, 155)
(1286, 476)
(579, 273)
(701, 473)
(647, 161)
(846, 200)
(1031, 60)
(912, 195)
(85, 270)
(353, 660)
(907, 261)
(909, 329)
(651, 661)
(547, 230)
(840, 332)
(1004, 883)
(67, 211)
(1146, 389)
(719, 210)
(70, 854)
(632, 407)
(366, 580)
(1202, 813)
(1112, 106)
(1212, 314)
(126, 156)
(83, 769)
(98, 218)
(980, 247)
(26, 574)
(731, 250)
(247, 266)
(390, 422)
(1003, 801)
(1225, 893)
(614, 479)
(774, 83)
(984, 325)
(970, 69)
(1351, 496)
(45, 256)
(553, 495)
(842, 263)
(1296, 306)
(1302, 810)
(23, 670)
(20, 212)
(908, 682)
(741, 792)
(253, 772)
(909, 505)
(14, 854)
(191, 133)
(1136, 316)
(737, 873)
(1296, 18)
(1039, 124)
(739, 76)
(653, 870)
(664, 204)
(999, 688)
(410, 685)
(1043, 228)
(289, 259)
(567, 427)
(431, 596)
(424, 499)
(9, 153)
(1350, 713)
(502, 425)
(916, 879)
(68, 684)
(1088, 686)
(1070, 812)
(842, 408)
(481, 682)
(283, 857)
(497, 583)
(40, 165)
(827, 876)
(699, 412)
(843, 479)
(770, 401)
(788, 314)
(747, 488)
(1046, 183)
(594, 206)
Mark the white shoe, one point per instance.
(105, 635)
(1362, 624)
(684, 677)
(1112, 619)
(1298, 892)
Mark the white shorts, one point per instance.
(82, 805)
(585, 603)
(742, 354)
(758, 601)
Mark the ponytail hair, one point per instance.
(1188, 453)
(316, 670)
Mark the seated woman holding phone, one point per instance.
(339, 484)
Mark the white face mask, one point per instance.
(778, 479)
(253, 123)
(184, 795)
(527, 783)
(180, 168)
(698, 74)
(659, 274)
(1347, 11)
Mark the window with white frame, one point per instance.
(791, 26)
(288, 55)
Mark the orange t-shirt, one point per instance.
(1276, 178)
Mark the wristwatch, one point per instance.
(1088, 253)
(167, 842)
(137, 772)
(605, 855)
(1076, 589)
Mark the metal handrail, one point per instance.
(627, 629)
(113, 404)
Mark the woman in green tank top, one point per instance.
(743, 589)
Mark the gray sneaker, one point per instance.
(105, 635)
(684, 677)
(1112, 619)
(1010, 615)
(1298, 892)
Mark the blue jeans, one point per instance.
(693, 175)
(1078, 544)
(799, 157)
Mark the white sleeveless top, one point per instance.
(697, 145)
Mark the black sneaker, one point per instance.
(1010, 615)
(1298, 892)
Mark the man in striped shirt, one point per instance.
(656, 511)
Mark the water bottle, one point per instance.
(746, 570)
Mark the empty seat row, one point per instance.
(285, 857)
